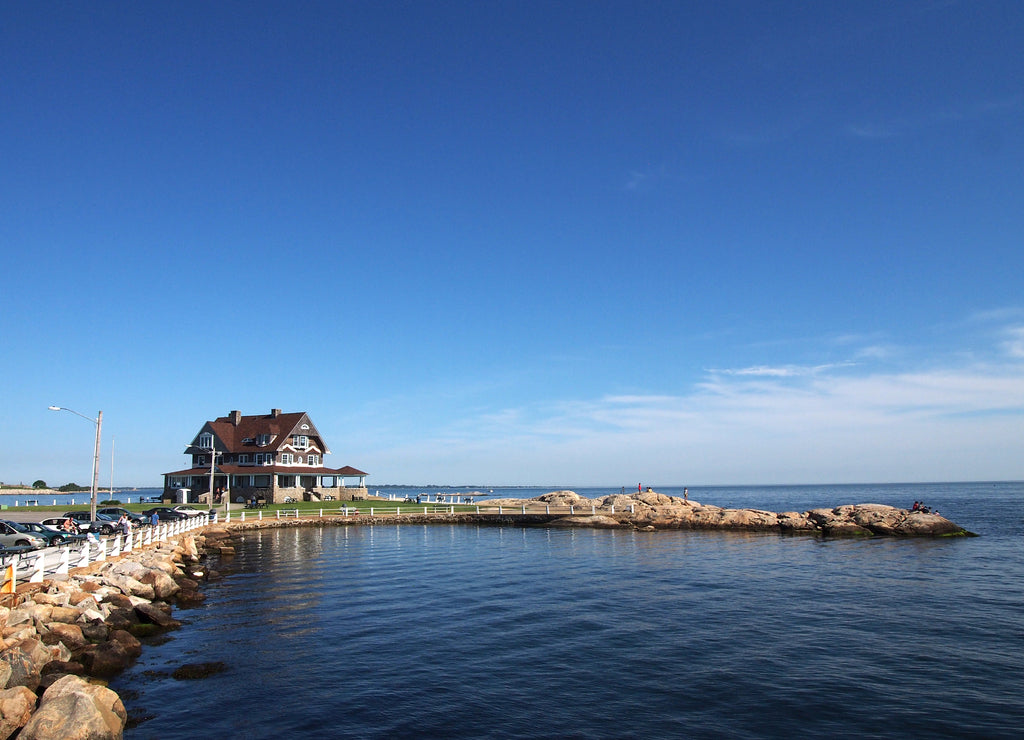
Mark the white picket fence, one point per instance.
(55, 562)
(244, 515)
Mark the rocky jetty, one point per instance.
(652, 510)
(62, 638)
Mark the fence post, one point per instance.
(39, 570)
(572, 510)
(84, 561)
(524, 508)
(321, 513)
(499, 509)
(243, 516)
(613, 508)
(632, 508)
(593, 510)
(259, 515)
(547, 508)
(371, 511)
(65, 561)
(116, 549)
(278, 513)
(101, 553)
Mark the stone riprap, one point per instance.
(63, 637)
(652, 510)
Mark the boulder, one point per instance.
(23, 669)
(154, 615)
(16, 707)
(65, 614)
(163, 585)
(586, 521)
(106, 659)
(73, 709)
(69, 634)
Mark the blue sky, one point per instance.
(573, 243)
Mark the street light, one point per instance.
(227, 477)
(98, 421)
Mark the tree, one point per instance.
(40, 484)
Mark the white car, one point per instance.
(190, 510)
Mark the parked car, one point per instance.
(53, 535)
(102, 524)
(165, 514)
(10, 536)
(137, 520)
(193, 511)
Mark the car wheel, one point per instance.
(106, 529)
(58, 540)
(23, 543)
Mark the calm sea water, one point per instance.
(469, 632)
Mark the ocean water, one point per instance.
(469, 632)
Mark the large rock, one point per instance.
(72, 709)
(16, 707)
(25, 660)
(163, 585)
(68, 634)
(106, 659)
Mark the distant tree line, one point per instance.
(41, 484)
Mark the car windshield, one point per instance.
(19, 526)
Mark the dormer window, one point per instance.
(263, 439)
(300, 441)
(205, 441)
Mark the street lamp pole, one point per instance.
(227, 479)
(98, 421)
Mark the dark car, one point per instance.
(165, 514)
(53, 535)
(137, 520)
(102, 524)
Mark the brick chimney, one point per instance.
(274, 413)
(236, 417)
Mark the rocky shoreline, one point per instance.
(63, 638)
(651, 510)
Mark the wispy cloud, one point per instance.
(1014, 344)
(783, 371)
(830, 422)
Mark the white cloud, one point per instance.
(762, 424)
(1014, 345)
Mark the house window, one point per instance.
(313, 459)
(286, 481)
(200, 459)
(243, 459)
(286, 458)
(205, 440)
(301, 441)
(263, 439)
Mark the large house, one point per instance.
(274, 457)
